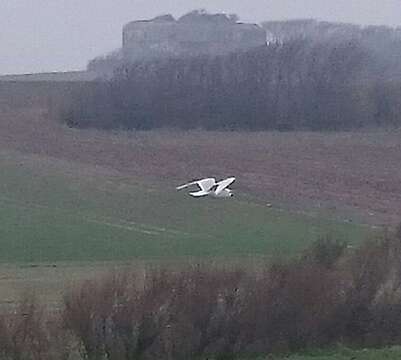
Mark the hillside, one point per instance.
(353, 173)
(51, 77)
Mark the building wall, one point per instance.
(145, 39)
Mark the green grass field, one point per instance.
(49, 215)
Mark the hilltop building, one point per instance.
(193, 34)
(196, 33)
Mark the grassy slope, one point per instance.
(48, 216)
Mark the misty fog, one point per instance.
(63, 35)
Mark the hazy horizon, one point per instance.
(63, 35)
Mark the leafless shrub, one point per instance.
(173, 315)
(203, 313)
(289, 308)
(31, 333)
(325, 251)
(373, 294)
(323, 298)
(89, 312)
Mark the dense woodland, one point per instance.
(349, 77)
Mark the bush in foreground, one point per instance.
(330, 295)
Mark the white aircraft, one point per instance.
(210, 187)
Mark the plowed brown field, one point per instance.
(356, 175)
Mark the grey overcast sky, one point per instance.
(61, 35)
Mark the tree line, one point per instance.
(299, 84)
